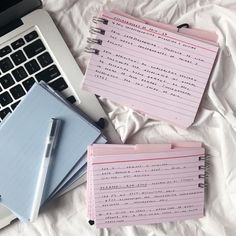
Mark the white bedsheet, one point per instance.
(215, 124)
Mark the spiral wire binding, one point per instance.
(91, 50)
(95, 41)
(202, 158)
(202, 176)
(202, 185)
(203, 167)
(96, 30)
(100, 19)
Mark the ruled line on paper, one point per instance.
(141, 188)
(196, 179)
(146, 206)
(138, 94)
(150, 159)
(124, 85)
(151, 62)
(133, 67)
(154, 219)
(150, 189)
(162, 58)
(159, 59)
(153, 197)
(160, 42)
(139, 172)
(140, 203)
(167, 190)
(187, 42)
(152, 52)
(160, 97)
(131, 98)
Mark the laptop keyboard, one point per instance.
(22, 63)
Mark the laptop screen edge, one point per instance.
(18, 10)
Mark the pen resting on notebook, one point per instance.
(50, 146)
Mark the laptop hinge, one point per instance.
(10, 26)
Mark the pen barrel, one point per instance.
(49, 152)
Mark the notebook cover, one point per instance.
(76, 172)
(158, 187)
(158, 72)
(22, 142)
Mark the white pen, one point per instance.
(49, 151)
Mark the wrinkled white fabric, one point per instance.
(215, 123)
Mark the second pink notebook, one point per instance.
(133, 184)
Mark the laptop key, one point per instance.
(17, 91)
(18, 57)
(31, 36)
(7, 81)
(6, 65)
(14, 105)
(59, 84)
(32, 66)
(18, 43)
(34, 48)
(48, 74)
(4, 51)
(45, 59)
(71, 99)
(5, 99)
(28, 83)
(4, 113)
(19, 73)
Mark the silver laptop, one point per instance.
(31, 50)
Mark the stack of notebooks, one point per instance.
(152, 67)
(145, 184)
(23, 137)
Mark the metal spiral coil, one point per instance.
(100, 19)
(202, 185)
(202, 158)
(91, 50)
(202, 167)
(95, 41)
(95, 30)
(202, 176)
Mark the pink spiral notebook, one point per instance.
(145, 184)
(150, 66)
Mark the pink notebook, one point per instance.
(149, 66)
(145, 184)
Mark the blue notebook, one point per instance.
(76, 172)
(22, 143)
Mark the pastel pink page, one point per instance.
(208, 36)
(117, 149)
(168, 180)
(138, 148)
(155, 71)
(106, 149)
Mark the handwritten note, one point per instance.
(158, 72)
(145, 188)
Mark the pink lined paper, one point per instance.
(158, 72)
(102, 149)
(144, 187)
